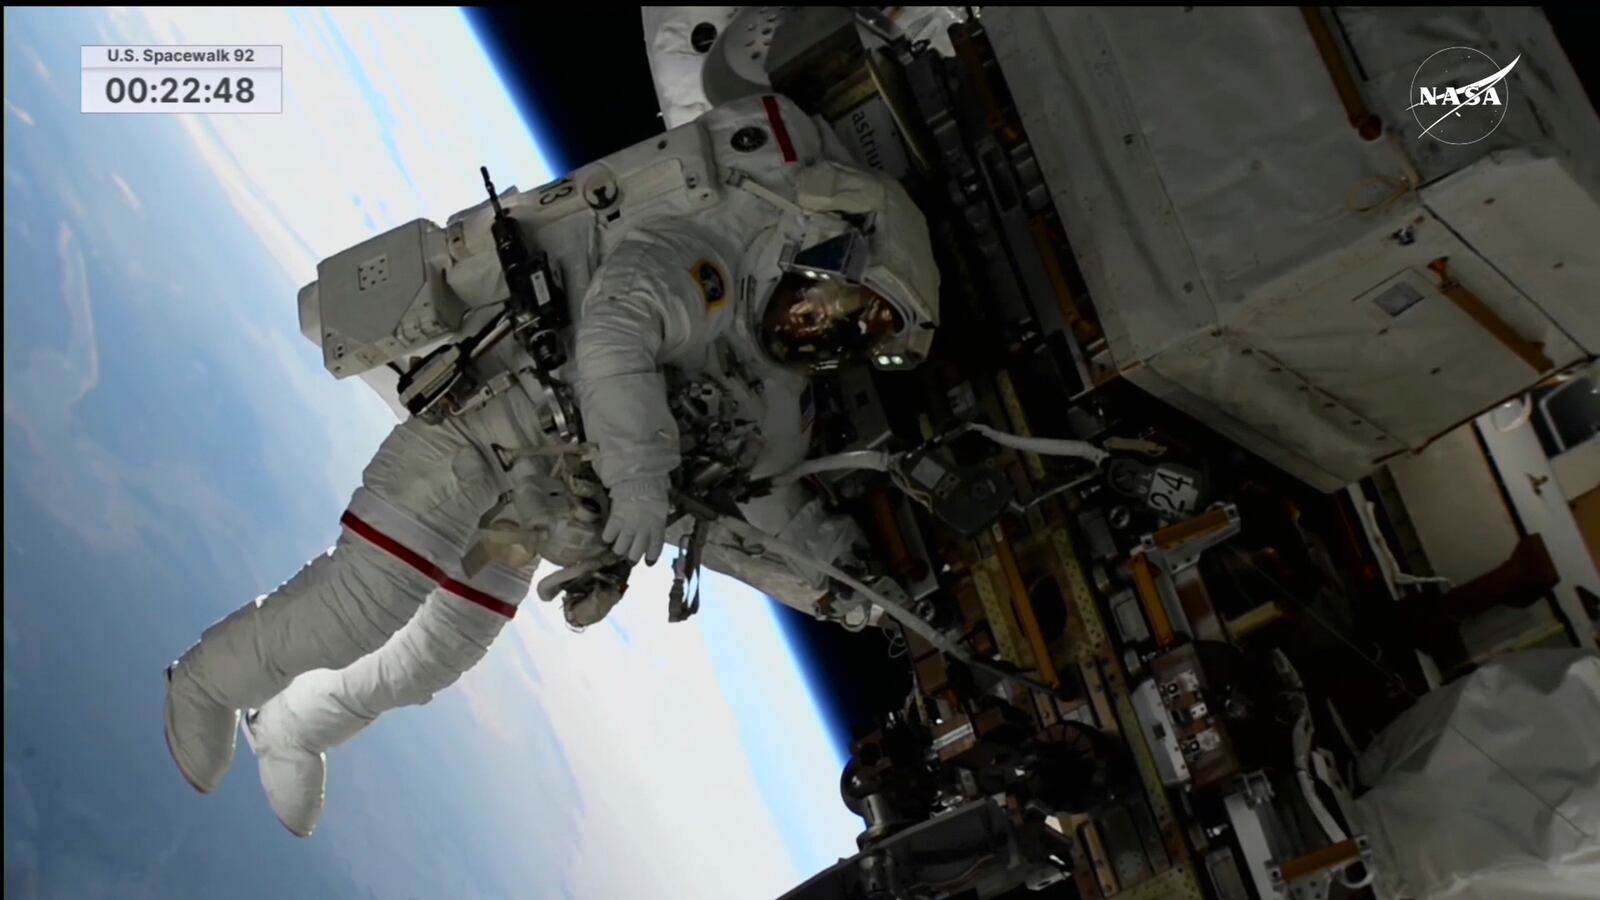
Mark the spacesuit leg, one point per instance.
(405, 529)
(324, 708)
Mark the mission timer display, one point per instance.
(183, 79)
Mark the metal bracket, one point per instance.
(487, 391)
(1310, 877)
(1179, 546)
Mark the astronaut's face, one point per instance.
(811, 321)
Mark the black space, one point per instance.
(1577, 28)
(580, 75)
(583, 83)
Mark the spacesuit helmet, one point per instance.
(857, 279)
(815, 322)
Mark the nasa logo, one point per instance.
(1459, 95)
(712, 284)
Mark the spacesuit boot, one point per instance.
(404, 534)
(293, 777)
(322, 709)
(199, 731)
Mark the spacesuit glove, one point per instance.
(637, 526)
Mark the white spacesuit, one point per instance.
(712, 279)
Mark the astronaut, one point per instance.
(717, 267)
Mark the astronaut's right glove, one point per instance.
(637, 526)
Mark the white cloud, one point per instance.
(19, 112)
(82, 355)
(39, 68)
(128, 196)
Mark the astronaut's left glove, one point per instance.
(637, 527)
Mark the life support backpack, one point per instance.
(418, 286)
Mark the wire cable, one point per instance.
(1043, 446)
(871, 460)
(1369, 513)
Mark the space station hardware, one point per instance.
(985, 824)
(1277, 244)
(1266, 841)
(1199, 268)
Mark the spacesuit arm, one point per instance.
(633, 318)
